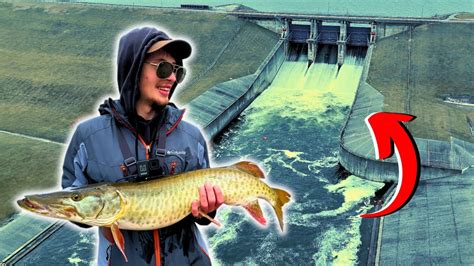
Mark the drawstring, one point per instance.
(136, 139)
(156, 238)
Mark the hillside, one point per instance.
(57, 58)
(420, 75)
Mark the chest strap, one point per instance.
(130, 162)
(161, 147)
(129, 166)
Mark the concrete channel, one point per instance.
(217, 107)
(32, 243)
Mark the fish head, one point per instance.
(83, 205)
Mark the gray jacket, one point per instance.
(94, 156)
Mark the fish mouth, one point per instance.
(51, 210)
(30, 205)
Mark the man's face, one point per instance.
(154, 90)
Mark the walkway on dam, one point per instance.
(352, 18)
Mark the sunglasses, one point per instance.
(165, 69)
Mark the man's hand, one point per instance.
(210, 198)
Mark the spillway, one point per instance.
(292, 129)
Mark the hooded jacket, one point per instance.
(94, 156)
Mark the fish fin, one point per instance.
(250, 168)
(119, 240)
(210, 218)
(256, 212)
(283, 197)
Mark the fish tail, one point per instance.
(282, 198)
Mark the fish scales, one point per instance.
(160, 202)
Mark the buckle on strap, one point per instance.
(130, 161)
(160, 152)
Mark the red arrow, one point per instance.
(387, 131)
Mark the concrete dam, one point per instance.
(288, 115)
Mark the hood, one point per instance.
(116, 110)
(131, 53)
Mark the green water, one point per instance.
(292, 129)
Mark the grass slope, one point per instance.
(250, 38)
(439, 66)
(27, 165)
(57, 61)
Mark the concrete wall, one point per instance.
(217, 107)
(384, 30)
(265, 75)
(273, 25)
(382, 171)
(357, 153)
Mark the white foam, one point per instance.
(340, 247)
(354, 189)
(314, 100)
(74, 259)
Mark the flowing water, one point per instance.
(292, 129)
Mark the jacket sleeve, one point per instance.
(74, 166)
(203, 162)
(75, 163)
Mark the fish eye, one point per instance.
(75, 197)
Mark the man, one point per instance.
(142, 136)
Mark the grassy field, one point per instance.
(26, 165)
(465, 16)
(57, 61)
(250, 38)
(416, 75)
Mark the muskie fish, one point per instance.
(158, 203)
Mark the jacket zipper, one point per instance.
(148, 150)
(156, 234)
